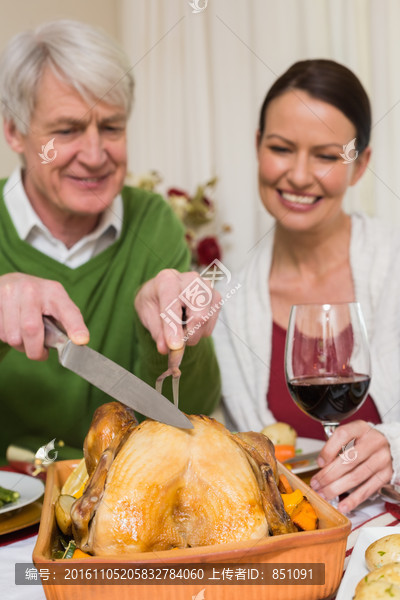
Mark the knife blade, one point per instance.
(310, 457)
(111, 378)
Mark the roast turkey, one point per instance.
(156, 487)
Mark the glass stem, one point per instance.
(329, 428)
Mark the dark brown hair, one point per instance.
(330, 82)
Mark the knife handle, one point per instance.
(54, 336)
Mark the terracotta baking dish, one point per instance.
(326, 545)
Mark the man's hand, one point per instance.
(367, 467)
(165, 295)
(24, 300)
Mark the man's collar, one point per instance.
(26, 220)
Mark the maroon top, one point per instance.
(283, 407)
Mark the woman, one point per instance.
(315, 253)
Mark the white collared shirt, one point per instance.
(31, 229)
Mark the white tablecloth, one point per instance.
(19, 552)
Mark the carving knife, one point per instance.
(112, 379)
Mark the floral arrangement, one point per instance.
(197, 212)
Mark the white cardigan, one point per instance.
(243, 334)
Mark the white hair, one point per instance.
(78, 54)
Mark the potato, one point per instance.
(383, 551)
(380, 583)
(280, 433)
(63, 513)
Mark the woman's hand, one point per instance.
(159, 305)
(363, 468)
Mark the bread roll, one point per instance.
(280, 433)
(380, 583)
(383, 551)
(377, 590)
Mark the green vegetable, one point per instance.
(70, 550)
(381, 552)
(64, 541)
(8, 496)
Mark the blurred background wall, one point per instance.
(201, 78)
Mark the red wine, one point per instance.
(329, 398)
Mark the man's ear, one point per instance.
(13, 137)
(360, 164)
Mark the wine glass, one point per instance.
(327, 361)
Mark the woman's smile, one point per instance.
(297, 200)
(302, 177)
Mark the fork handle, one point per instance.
(175, 356)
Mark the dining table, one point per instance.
(17, 546)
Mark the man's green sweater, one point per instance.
(42, 400)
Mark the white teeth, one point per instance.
(90, 179)
(298, 199)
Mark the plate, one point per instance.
(19, 519)
(307, 445)
(30, 489)
(357, 569)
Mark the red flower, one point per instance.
(208, 250)
(177, 192)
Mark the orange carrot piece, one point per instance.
(284, 451)
(284, 485)
(304, 516)
(78, 553)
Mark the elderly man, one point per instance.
(77, 245)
